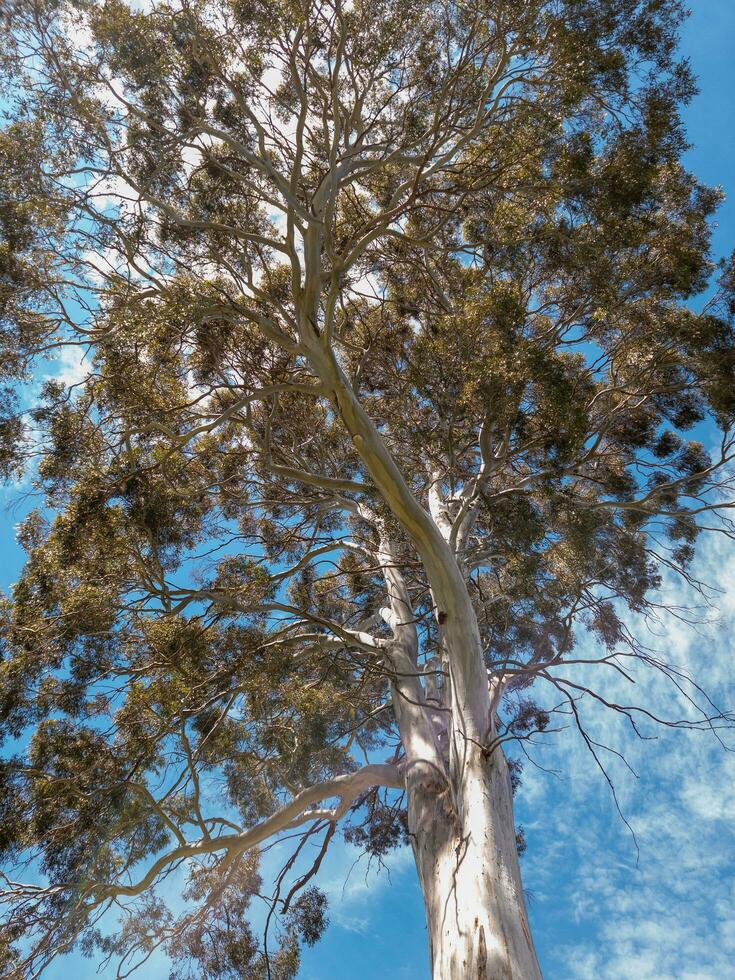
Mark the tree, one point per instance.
(388, 357)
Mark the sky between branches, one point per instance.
(595, 915)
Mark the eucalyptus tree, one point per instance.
(387, 358)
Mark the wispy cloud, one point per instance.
(72, 365)
(598, 915)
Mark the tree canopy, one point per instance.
(389, 340)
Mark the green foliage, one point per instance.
(485, 232)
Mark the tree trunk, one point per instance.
(469, 873)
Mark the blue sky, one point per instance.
(595, 914)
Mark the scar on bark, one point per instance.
(442, 617)
(481, 955)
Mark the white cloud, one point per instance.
(353, 884)
(598, 916)
(72, 365)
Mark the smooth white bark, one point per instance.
(468, 868)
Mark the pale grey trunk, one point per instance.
(468, 868)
